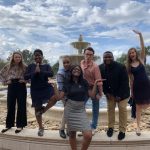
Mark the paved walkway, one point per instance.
(28, 140)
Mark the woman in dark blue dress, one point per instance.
(139, 82)
(41, 91)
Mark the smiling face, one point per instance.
(88, 55)
(76, 71)
(108, 58)
(38, 57)
(66, 63)
(132, 54)
(17, 58)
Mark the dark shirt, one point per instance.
(38, 80)
(76, 91)
(117, 82)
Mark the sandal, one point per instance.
(18, 130)
(138, 132)
(4, 130)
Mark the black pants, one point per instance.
(17, 92)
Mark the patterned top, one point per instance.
(7, 74)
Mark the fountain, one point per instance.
(79, 45)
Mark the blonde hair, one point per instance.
(129, 60)
(21, 65)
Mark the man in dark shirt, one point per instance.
(116, 89)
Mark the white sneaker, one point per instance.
(80, 134)
(93, 131)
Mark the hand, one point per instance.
(37, 69)
(22, 81)
(98, 96)
(117, 99)
(99, 81)
(137, 32)
(8, 82)
(108, 96)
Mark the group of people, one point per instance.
(75, 85)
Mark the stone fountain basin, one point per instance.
(55, 113)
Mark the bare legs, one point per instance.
(40, 111)
(138, 116)
(72, 140)
(50, 104)
(87, 137)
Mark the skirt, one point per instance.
(41, 96)
(75, 116)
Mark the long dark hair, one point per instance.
(80, 79)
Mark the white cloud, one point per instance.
(53, 25)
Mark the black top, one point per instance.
(41, 90)
(76, 91)
(141, 85)
(117, 82)
(38, 80)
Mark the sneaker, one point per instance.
(121, 135)
(41, 132)
(110, 132)
(62, 134)
(80, 134)
(93, 131)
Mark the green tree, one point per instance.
(147, 67)
(122, 59)
(27, 57)
(55, 67)
(2, 63)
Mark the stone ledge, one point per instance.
(28, 140)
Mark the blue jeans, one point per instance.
(95, 112)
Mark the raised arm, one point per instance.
(92, 93)
(142, 52)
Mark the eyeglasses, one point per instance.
(108, 57)
(89, 54)
(66, 62)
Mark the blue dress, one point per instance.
(41, 90)
(141, 85)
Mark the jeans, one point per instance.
(95, 112)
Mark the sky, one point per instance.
(52, 25)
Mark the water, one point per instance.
(102, 103)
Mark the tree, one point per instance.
(2, 63)
(27, 57)
(122, 59)
(55, 67)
